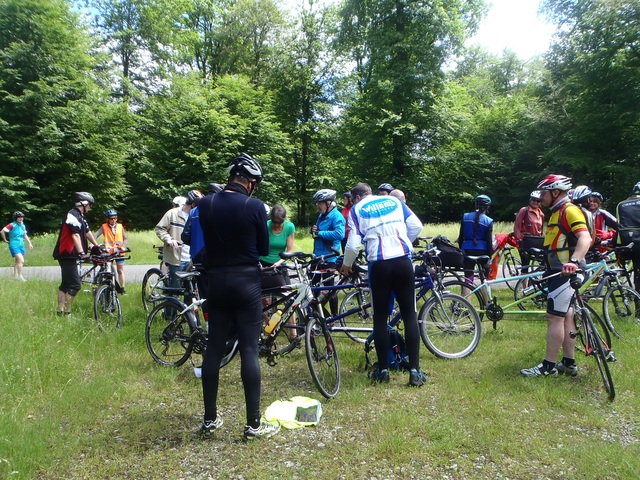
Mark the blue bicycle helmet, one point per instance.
(483, 201)
(110, 213)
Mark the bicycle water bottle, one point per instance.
(273, 322)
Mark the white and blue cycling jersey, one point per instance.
(385, 225)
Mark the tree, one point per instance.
(594, 92)
(398, 49)
(58, 131)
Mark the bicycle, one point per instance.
(594, 343)
(155, 280)
(106, 303)
(174, 332)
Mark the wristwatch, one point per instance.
(574, 260)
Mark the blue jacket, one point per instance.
(331, 228)
(483, 235)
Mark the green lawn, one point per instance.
(76, 403)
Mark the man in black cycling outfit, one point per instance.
(234, 226)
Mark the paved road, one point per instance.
(133, 273)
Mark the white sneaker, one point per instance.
(265, 430)
(22, 278)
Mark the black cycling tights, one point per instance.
(235, 305)
(397, 276)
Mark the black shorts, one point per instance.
(70, 282)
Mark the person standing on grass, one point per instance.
(115, 239)
(628, 214)
(234, 226)
(388, 228)
(527, 229)
(72, 244)
(17, 235)
(476, 235)
(169, 230)
(346, 202)
(566, 243)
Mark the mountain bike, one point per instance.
(106, 303)
(596, 343)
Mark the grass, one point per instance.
(76, 403)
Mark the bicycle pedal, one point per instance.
(611, 358)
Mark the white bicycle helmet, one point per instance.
(535, 195)
(179, 201)
(555, 182)
(324, 195)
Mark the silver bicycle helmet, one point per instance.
(387, 187)
(246, 166)
(83, 199)
(324, 195)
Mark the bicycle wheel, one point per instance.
(362, 317)
(461, 288)
(534, 296)
(620, 304)
(322, 358)
(152, 284)
(289, 334)
(511, 268)
(596, 348)
(451, 327)
(168, 333)
(107, 308)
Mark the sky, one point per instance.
(514, 24)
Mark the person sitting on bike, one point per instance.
(17, 235)
(235, 232)
(115, 239)
(72, 245)
(387, 227)
(385, 189)
(476, 235)
(327, 234)
(527, 228)
(628, 213)
(605, 223)
(566, 243)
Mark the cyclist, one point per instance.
(605, 223)
(346, 202)
(193, 197)
(72, 244)
(385, 189)
(387, 227)
(282, 235)
(115, 239)
(234, 226)
(566, 243)
(17, 235)
(628, 213)
(476, 235)
(396, 192)
(169, 230)
(327, 234)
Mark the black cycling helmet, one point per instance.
(110, 213)
(246, 166)
(347, 194)
(215, 188)
(636, 189)
(324, 195)
(387, 187)
(83, 199)
(17, 215)
(194, 196)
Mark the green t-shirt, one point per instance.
(278, 241)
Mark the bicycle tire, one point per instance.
(511, 268)
(537, 300)
(107, 308)
(285, 339)
(152, 284)
(363, 318)
(168, 333)
(322, 357)
(450, 328)
(461, 288)
(601, 326)
(620, 304)
(595, 348)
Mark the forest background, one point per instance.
(137, 101)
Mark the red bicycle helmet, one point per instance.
(555, 182)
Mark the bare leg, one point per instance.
(67, 302)
(555, 336)
(120, 268)
(61, 301)
(17, 268)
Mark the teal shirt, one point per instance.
(278, 241)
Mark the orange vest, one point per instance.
(111, 240)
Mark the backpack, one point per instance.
(571, 238)
(450, 255)
(398, 358)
